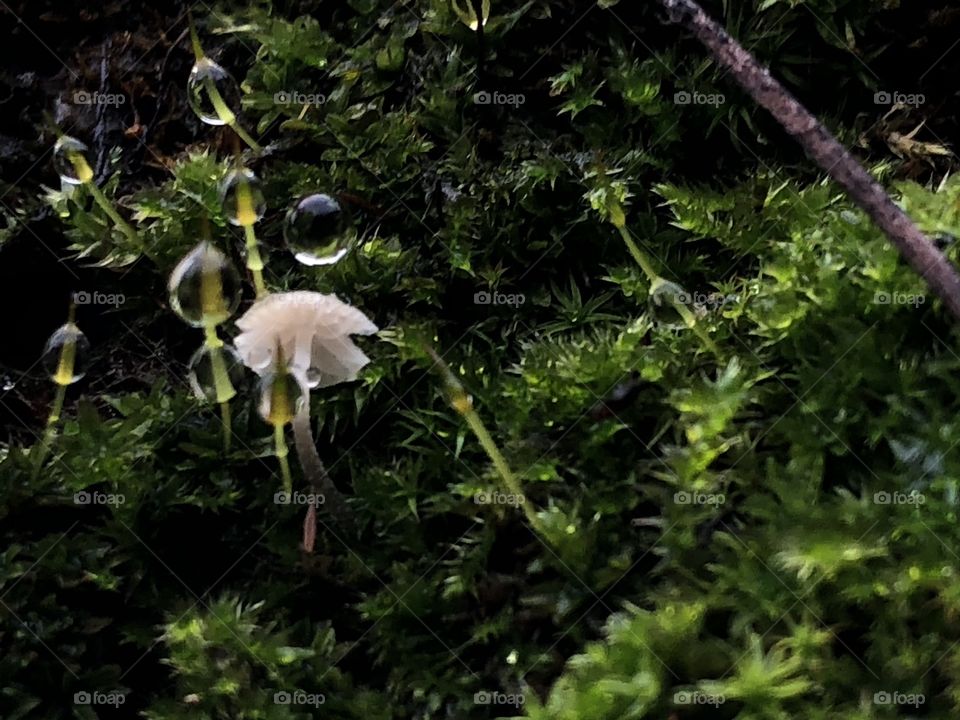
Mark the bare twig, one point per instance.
(919, 251)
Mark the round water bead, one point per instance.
(242, 198)
(664, 298)
(212, 93)
(214, 373)
(282, 394)
(204, 287)
(318, 231)
(70, 160)
(66, 354)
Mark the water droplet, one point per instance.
(466, 13)
(212, 93)
(242, 198)
(664, 298)
(66, 354)
(8, 383)
(313, 377)
(204, 287)
(70, 160)
(282, 394)
(215, 373)
(318, 231)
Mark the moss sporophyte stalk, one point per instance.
(70, 159)
(661, 290)
(65, 358)
(467, 13)
(204, 291)
(213, 93)
(462, 402)
(244, 205)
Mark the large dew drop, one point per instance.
(664, 298)
(242, 198)
(282, 394)
(70, 160)
(65, 355)
(212, 93)
(204, 287)
(214, 373)
(317, 230)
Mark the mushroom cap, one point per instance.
(311, 329)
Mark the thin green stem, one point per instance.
(43, 449)
(643, 260)
(227, 425)
(194, 38)
(281, 448)
(254, 260)
(227, 116)
(221, 381)
(500, 463)
(463, 404)
(245, 136)
(111, 211)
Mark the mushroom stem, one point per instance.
(315, 471)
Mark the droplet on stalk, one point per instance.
(65, 355)
(242, 198)
(203, 373)
(664, 298)
(318, 231)
(212, 93)
(282, 394)
(204, 287)
(70, 161)
(468, 16)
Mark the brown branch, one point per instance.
(922, 255)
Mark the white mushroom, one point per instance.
(312, 331)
